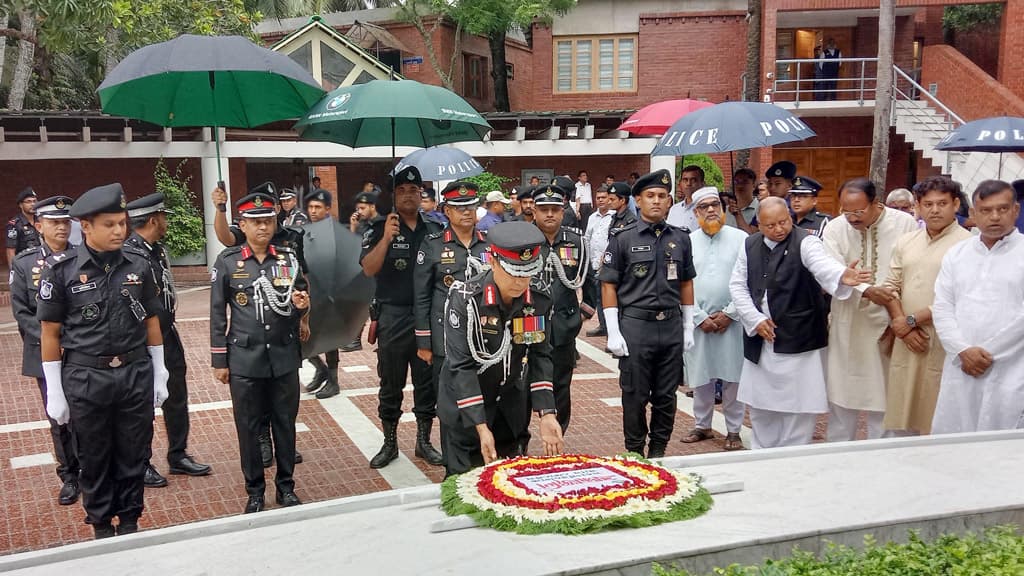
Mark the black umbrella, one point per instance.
(994, 135)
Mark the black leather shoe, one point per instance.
(153, 479)
(68, 492)
(190, 467)
(101, 531)
(254, 504)
(656, 452)
(286, 499)
(298, 457)
(330, 389)
(353, 346)
(266, 449)
(127, 528)
(596, 332)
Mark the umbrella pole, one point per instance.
(394, 207)
(732, 172)
(1000, 176)
(216, 146)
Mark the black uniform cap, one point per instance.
(267, 188)
(526, 192)
(565, 183)
(805, 185)
(516, 247)
(781, 169)
(107, 199)
(620, 189)
(657, 179)
(26, 193)
(461, 193)
(256, 205)
(366, 198)
(320, 195)
(552, 194)
(54, 207)
(428, 193)
(287, 194)
(149, 204)
(409, 175)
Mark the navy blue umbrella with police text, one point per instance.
(731, 126)
(994, 135)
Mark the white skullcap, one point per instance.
(705, 192)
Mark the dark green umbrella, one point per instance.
(208, 81)
(392, 113)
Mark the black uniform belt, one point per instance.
(651, 315)
(105, 362)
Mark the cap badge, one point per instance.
(123, 201)
(797, 181)
(59, 204)
(549, 192)
(410, 176)
(664, 178)
(463, 190)
(526, 254)
(612, 189)
(778, 171)
(258, 202)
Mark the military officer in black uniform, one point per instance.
(21, 233)
(569, 217)
(325, 381)
(98, 303)
(780, 178)
(148, 219)
(453, 254)
(647, 280)
(259, 355)
(389, 254)
(803, 200)
(499, 356)
(618, 202)
(567, 264)
(290, 215)
(54, 224)
(428, 205)
(360, 221)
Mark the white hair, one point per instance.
(899, 195)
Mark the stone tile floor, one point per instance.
(336, 438)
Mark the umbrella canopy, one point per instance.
(339, 291)
(731, 126)
(655, 119)
(998, 134)
(208, 81)
(392, 113)
(443, 163)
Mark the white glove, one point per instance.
(688, 327)
(616, 343)
(160, 374)
(56, 402)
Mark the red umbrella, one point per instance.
(658, 117)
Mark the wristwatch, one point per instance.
(543, 413)
(222, 207)
(911, 321)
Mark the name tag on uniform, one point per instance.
(400, 246)
(673, 272)
(639, 248)
(83, 288)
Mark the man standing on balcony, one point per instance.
(830, 69)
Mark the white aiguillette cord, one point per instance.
(475, 336)
(264, 291)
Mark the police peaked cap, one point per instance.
(107, 199)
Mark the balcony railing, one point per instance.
(804, 80)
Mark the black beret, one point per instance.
(550, 194)
(517, 247)
(657, 179)
(366, 198)
(53, 207)
(408, 175)
(26, 193)
(461, 193)
(565, 183)
(805, 185)
(149, 204)
(320, 195)
(107, 199)
(781, 169)
(267, 188)
(620, 189)
(428, 193)
(256, 205)
(526, 192)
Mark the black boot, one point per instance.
(423, 448)
(101, 531)
(266, 448)
(389, 451)
(331, 388)
(320, 377)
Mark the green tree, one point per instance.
(712, 173)
(417, 12)
(280, 9)
(185, 233)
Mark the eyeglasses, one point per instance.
(705, 206)
(855, 213)
(469, 208)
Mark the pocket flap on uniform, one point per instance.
(241, 340)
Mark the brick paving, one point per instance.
(334, 465)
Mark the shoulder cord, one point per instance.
(581, 272)
(170, 294)
(475, 266)
(475, 337)
(265, 292)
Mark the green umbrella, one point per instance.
(395, 113)
(208, 81)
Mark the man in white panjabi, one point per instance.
(859, 339)
(776, 287)
(979, 317)
(717, 352)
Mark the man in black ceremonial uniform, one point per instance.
(453, 254)
(148, 219)
(566, 267)
(389, 253)
(54, 224)
(618, 202)
(499, 357)
(803, 201)
(98, 303)
(569, 217)
(259, 355)
(647, 280)
(21, 233)
(290, 215)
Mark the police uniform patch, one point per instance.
(45, 290)
(12, 233)
(213, 274)
(453, 319)
(420, 257)
(448, 280)
(401, 264)
(10, 278)
(241, 298)
(607, 257)
(90, 312)
(640, 270)
(240, 264)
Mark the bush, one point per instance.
(712, 173)
(185, 233)
(487, 182)
(1000, 552)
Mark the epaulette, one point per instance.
(56, 258)
(680, 228)
(617, 231)
(281, 248)
(571, 233)
(135, 249)
(435, 235)
(26, 251)
(230, 250)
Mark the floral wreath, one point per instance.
(574, 494)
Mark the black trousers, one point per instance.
(650, 375)
(63, 445)
(461, 445)
(332, 360)
(564, 360)
(175, 410)
(396, 355)
(251, 398)
(585, 211)
(112, 412)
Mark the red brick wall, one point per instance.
(980, 46)
(678, 56)
(1011, 55)
(836, 132)
(965, 88)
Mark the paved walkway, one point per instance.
(336, 436)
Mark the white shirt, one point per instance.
(596, 235)
(583, 193)
(682, 215)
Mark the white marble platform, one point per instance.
(839, 491)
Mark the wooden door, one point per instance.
(830, 167)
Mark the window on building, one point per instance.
(475, 77)
(595, 64)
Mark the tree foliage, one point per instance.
(969, 16)
(185, 233)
